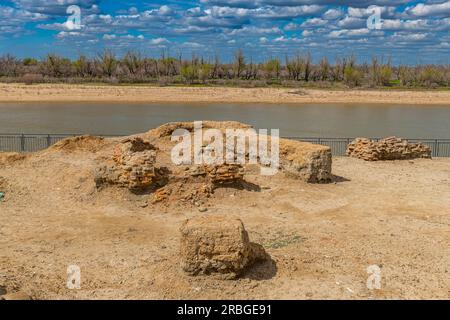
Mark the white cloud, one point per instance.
(216, 24)
(246, 30)
(397, 24)
(333, 14)
(424, 10)
(386, 11)
(109, 36)
(409, 37)
(159, 41)
(349, 33)
(314, 22)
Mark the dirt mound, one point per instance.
(143, 163)
(392, 148)
(302, 160)
(85, 143)
(217, 245)
(167, 129)
(7, 158)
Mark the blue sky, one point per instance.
(411, 31)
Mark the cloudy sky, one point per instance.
(410, 31)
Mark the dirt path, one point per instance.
(96, 93)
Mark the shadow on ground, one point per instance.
(338, 179)
(262, 270)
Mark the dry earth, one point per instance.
(97, 93)
(321, 237)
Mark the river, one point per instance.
(333, 120)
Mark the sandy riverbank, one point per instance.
(99, 93)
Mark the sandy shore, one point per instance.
(97, 93)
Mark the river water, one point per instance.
(331, 120)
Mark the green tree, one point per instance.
(352, 76)
(30, 62)
(272, 68)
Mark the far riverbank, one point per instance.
(152, 94)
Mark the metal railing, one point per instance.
(33, 142)
(29, 142)
(36, 142)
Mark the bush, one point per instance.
(31, 78)
(298, 70)
(30, 62)
(352, 76)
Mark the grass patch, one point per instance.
(283, 241)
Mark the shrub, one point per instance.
(352, 76)
(296, 71)
(31, 78)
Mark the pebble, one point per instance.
(202, 209)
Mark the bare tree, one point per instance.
(9, 66)
(56, 66)
(306, 62)
(83, 67)
(166, 69)
(239, 63)
(108, 63)
(324, 69)
(133, 63)
(294, 67)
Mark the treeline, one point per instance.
(293, 70)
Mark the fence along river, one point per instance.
(32, 143)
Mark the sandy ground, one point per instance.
(321, 238)
(94, 93)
